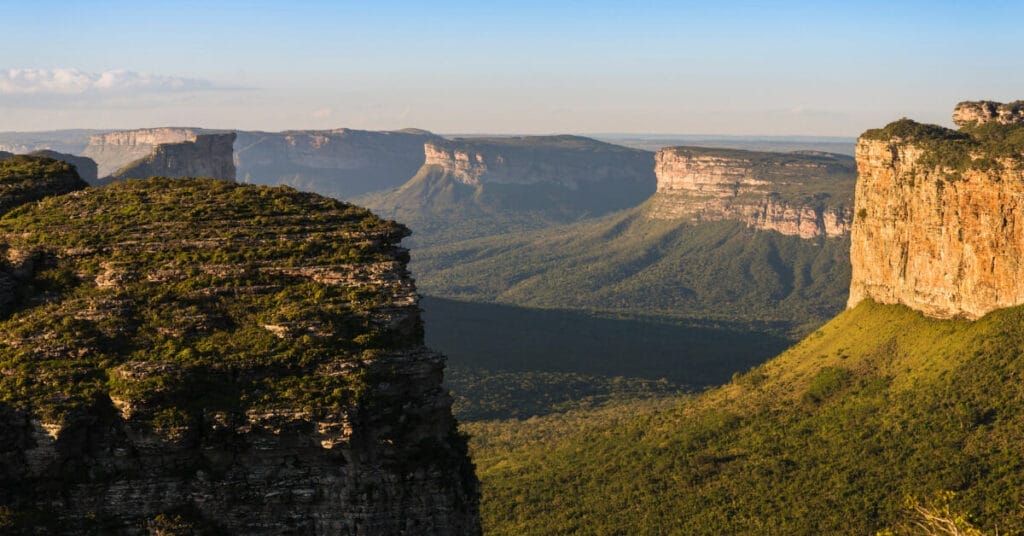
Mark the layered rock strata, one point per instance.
(803, 194)
(940, 215)
(113, 150)
(223, 359)
(981, 112)
(566, 161)
(208, 155)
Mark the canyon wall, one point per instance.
(569, 162)
(113, 150)
(220, 359)
(940, 214)
(806, 194)
(206, 155)
(341, 163)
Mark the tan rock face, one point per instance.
(947, 244)
(981, 112)
(806, 195)
(565, 161)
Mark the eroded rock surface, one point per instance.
(197, 356)
(207, 155)
(803, 194)
(940, 217)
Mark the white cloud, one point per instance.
(76, 82)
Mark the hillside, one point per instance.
(878, 410)
(24, 179)
(197, 356)
(630, 262)
(476, 187)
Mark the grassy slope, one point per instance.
(626, 262)
(831, 437)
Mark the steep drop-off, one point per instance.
(206, 155)
(85, 167)
(341, 163)
(113, 150)
(939, 225)
(806, 194)
(476, 187)
(884, 421)
(196, 356)
(24, 179)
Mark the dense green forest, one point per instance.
(872, 420)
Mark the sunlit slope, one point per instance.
(878, 407)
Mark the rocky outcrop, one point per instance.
(940, 217)
(113, 150)
(981, 112)
(804, 194)
(208, 155)
(341, 163)
(223, 359)
(565, 161)
(85, 167)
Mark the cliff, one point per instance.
(208, 155)
(224, 359)
(475, 187)
(113, 150)
(566, 161)
(805, 194)
(938, 224)
(341, 163)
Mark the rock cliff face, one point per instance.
(940, 216)
(565, 161)
(341, 163)
(805, 194)
(981, 112)
(208, 155)
(220, 359)
(475, 187)
(113, 150)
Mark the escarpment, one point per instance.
(206, 155)
(205, 357)
(24, 179)
(341, 162)
(804, 194)
(566, 161)
(85, 167)
(939, 223)
(113, 150)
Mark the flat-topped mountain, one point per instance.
(205, 155)
(806, 194)
(473, 187)
(938, 224)
(340, 163)
(198, 356)
(113, 150)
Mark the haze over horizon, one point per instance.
(765, 68)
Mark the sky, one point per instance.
(585, 67)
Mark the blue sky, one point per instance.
(600, 66)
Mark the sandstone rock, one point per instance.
(940, 220)
(802, 194)
(208, 155)
(113, 150)
(981, 112)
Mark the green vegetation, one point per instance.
(506, 361)
(851, 431)
(628, 263)
(184, 296)
(24, 179)
(951, 152)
